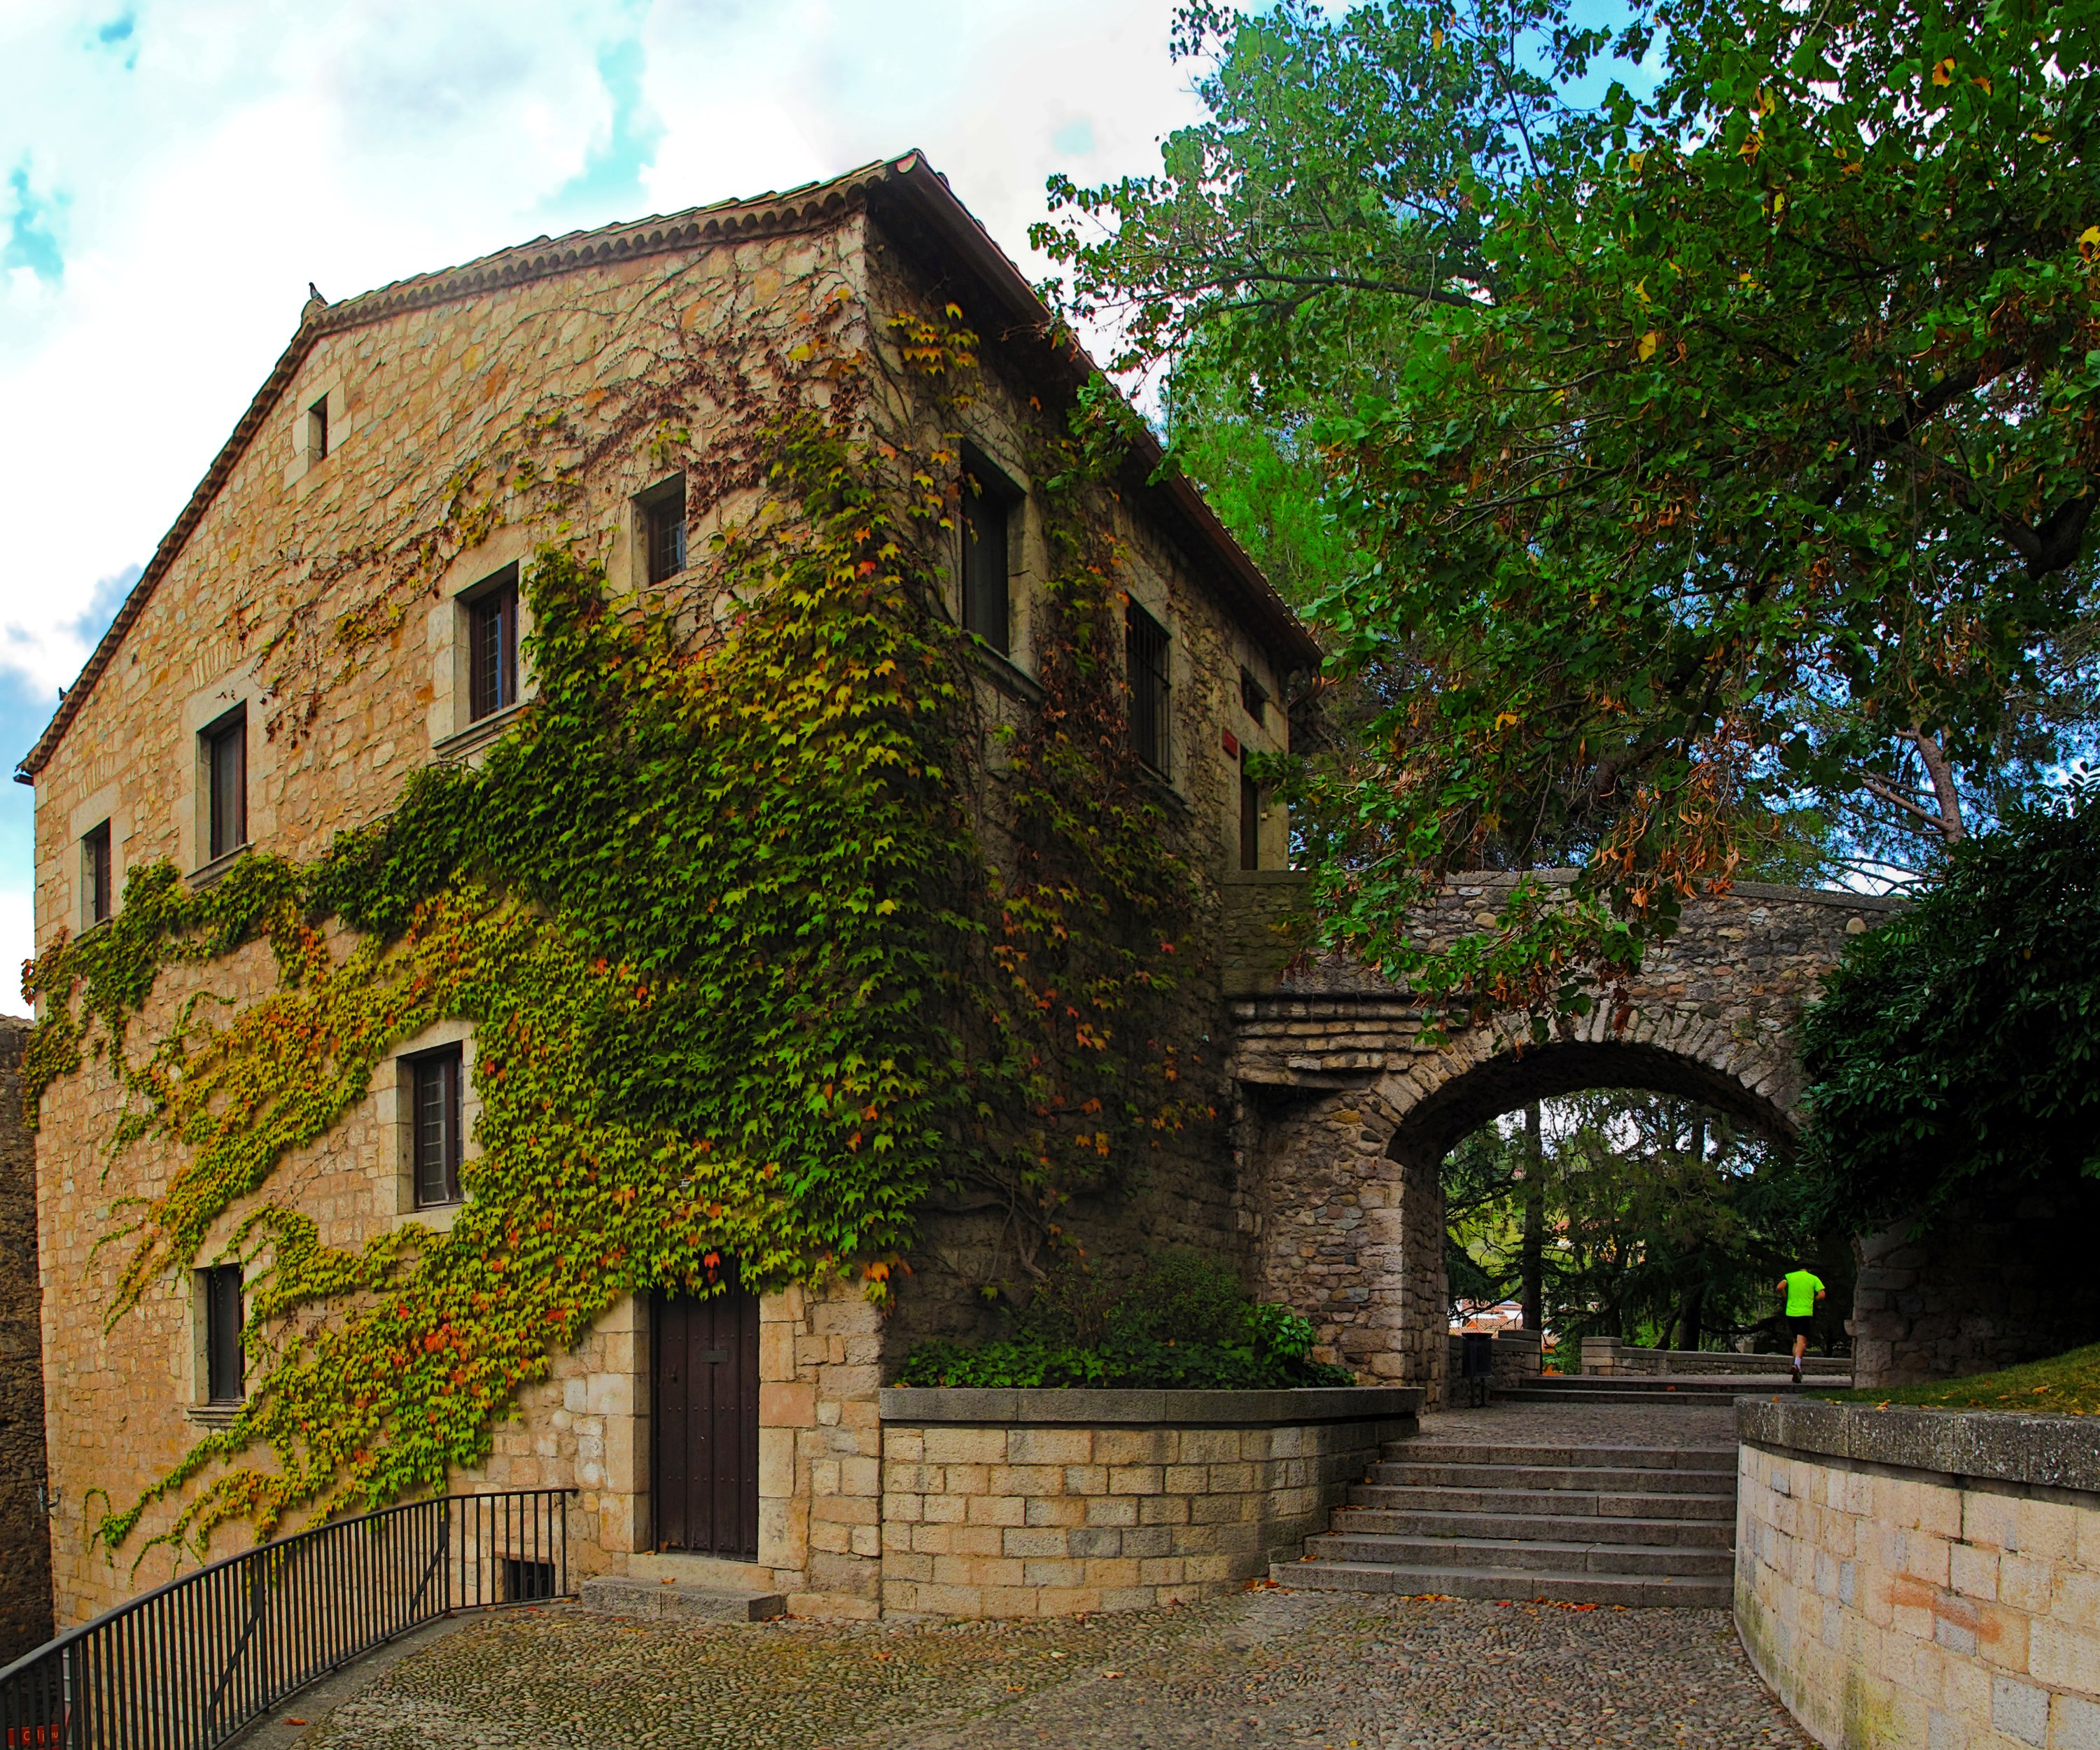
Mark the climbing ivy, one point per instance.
(746, 986)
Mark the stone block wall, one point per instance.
(1516, 1355)
(1608, 1355)
(1922, 1578)
(1055, 1503)
(1996, 1281)
(25, 1537)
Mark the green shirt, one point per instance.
(1802, 1286)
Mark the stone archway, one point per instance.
(1346, 1112)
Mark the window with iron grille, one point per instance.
(663, 528)
(988, 505)
(434, 1099)
(1250, 819)
(225, 748)
(492, 648)
(1144, 650)
(225, 1365)
(524, 1580)
(1254, 696)
(96, 875)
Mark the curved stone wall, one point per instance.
(1922, 1577)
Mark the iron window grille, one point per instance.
(97, 876)
(1144, 650)
(988, 504)
(225, 1367)
(663, 529)
(492, 650)
(225, 761)
(434, 1100)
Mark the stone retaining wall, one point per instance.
(1518, 1354)
(1922, 1577)
(1608, 1354)
(1053, 1503)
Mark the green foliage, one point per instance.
(2065, 1384)
(1706, 454)
(1185, 1322)
(1663, 1222)
(1959, 1045)
(744, 987)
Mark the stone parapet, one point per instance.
(1608, 1355)
(1006, 1504)
(1922, 1577)
(1517, 1355)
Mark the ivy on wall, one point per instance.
(745, 985)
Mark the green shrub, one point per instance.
(1183, 1322)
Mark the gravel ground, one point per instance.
(1267, 1668)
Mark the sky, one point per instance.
(173, 173)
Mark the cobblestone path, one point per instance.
(1269, 1668)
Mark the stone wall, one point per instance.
(25, 1537)
(1055, 1503)
(1516, 1355)
(1608, 1354)
(1996, 1281)
(1920, 1577)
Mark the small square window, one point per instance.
(317, 430)
(436, 1143)
(663, 528)
(989, 501)
(225, 1363)
(492, 648)
(224, 746)
(96, 877)
(1254, 696)
(1145, 651)
(525, 1580)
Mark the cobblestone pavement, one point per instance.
(1264, 1669)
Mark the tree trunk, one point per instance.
(1533, 1256)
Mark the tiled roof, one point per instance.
(906, 188)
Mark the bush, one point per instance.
(1183, 1322)
(1959, 1046)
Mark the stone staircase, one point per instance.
(1635, 1525)
(1689, 1389)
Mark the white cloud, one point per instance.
(191, 164)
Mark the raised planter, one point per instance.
(1921, 1577)
(1029, 1503)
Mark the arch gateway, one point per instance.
(1345, 1113)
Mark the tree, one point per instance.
(1960, 1044)
(1717, 464)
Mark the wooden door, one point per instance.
(704, 1424)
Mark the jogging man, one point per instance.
(1802, 1289)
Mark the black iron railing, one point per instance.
(187, 1665)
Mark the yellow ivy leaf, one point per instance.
(1437, 37)
(1943, 73)
(2088, 242)
(1648, 342)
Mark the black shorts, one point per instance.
(1800, 1324)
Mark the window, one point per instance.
(1145, 651)
(1254, 696)
(225, 1366)
(317, 431)
(524, 1580)
(95, 876)
(1250, 819)
(225, 747)
(434, 1094)
(663, 528)
(988, 503)
(492, 648)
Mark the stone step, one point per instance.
(1636, 1591)
(1553, 1479)
(1431, 1450)
(1640, 1387)
(1496, 1523)
(1567, 1556)
(1716, 1507)
(620, 1595)
(1637, 1396)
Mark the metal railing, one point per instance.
(188, 1664)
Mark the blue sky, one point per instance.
(174, 172)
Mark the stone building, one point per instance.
(26, 1552)
(337, 608)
